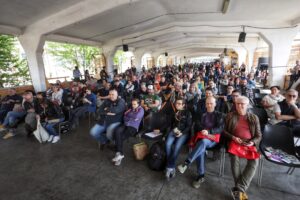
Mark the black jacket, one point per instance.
(117, 107)
(183, 121)
(219, 123)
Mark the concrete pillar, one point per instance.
(138, 60)
(250, 53)
(280, 43)
(155, 58)
(33, 46)
(109, 53)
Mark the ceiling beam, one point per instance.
(10, 30)
(72, 40)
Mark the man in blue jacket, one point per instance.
(111, 116)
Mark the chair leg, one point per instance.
(59, 129)
(291, 170)
(222, 162)
(260, 171)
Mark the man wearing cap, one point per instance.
(151, 101)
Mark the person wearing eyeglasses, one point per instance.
(244, 134)
(181, 125)
(287, 112)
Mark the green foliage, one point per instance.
(14, 70)
(70, 55)
(119, 56)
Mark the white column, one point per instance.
(109, 53)
(280, 43)
(138, 60)
(250, 59)
(33, 46)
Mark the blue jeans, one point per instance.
(199, 154)
(50, 127)
(177, 142)
(3, 113)
(98, 132)
(12, 116)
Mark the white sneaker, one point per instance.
(182, 168)
(118, 162)
(118, 157)
(50, 138)
(55, 139)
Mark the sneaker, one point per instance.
(8, 135)
(1, 126)
(236, 194)
(55, 139)
(117, 157)
(170, 173)
(181, 168)
(173, 173)
(50, 138)
(197, 183)
(2, 129)
(118, 162)
(245, 196)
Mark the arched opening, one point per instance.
(14, 70)
(147, 61)
(123, 60)
(61, 58)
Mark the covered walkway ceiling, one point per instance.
(176, 26)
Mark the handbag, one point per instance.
(40, 133)
(248, 152)
(199, 135)
(140, 150)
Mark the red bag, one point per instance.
(248, 152)
(199, 135)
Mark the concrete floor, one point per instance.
(76, 169)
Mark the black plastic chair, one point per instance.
(277, 137)
(262, 116)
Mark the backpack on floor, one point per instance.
(157, 156)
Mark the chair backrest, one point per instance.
(256, 90)
(262, 116)
(278, 137)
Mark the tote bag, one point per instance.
(40, 133)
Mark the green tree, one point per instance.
(70, 55)
(14, 70)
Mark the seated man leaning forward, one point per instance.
(243, 130)
(111, 116)
(209, 127)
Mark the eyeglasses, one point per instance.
(292, 96)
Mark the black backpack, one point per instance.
(157, 156)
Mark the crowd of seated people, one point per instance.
(200, 98)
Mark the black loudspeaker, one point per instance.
(125, 47)
(166, 54)
(242, 37)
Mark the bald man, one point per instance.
(111, 116)
(210, 125)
